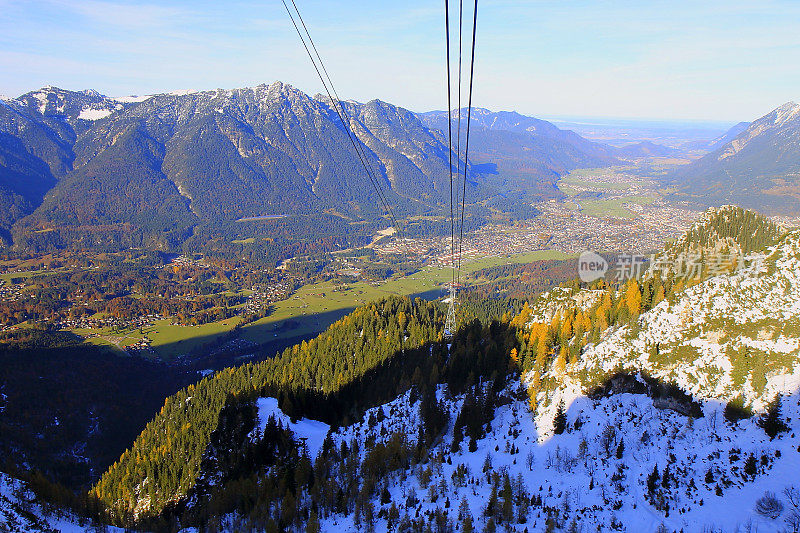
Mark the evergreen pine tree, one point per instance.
(312, 526)
(652, 480)
(665, 477)
(560, 419)
(508, 503)
(771, 422)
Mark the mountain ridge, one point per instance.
(213, 157)
(759, 168)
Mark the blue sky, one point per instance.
(709, 60)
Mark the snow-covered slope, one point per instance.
(731, 335)
(593, 477)
(22, 511)
(311, 432)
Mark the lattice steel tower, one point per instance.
(450, 323)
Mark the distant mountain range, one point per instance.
(755, 165)
(646, 149)
(82, 167)
(517, 141)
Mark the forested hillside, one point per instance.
(37, 134)
(395, 345)
(213, 450)
(523, 156)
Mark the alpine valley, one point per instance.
(209, 321)
(651, 405)
(83, 170)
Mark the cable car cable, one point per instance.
(336, 107)
(466, 144)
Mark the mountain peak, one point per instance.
(740, 230)
(776, 118)
(284, 89)
(784, 113)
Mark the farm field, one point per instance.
(603, 192)
(301, 314)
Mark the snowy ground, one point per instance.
(708, 324)
(312, 432)
(580, 479)
(21, 511)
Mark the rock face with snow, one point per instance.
(624, 463)
(758, 168)
(734, 335)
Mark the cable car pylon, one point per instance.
(450, 323)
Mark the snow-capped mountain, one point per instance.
(758, 168)
(70, 106)
(784, 115)
(168, 163)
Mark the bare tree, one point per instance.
(711, 421)
(769, 505)
(793, 516)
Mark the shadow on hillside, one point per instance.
(477, 353)
(664, 395)
(236, 347)
(70, 411)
